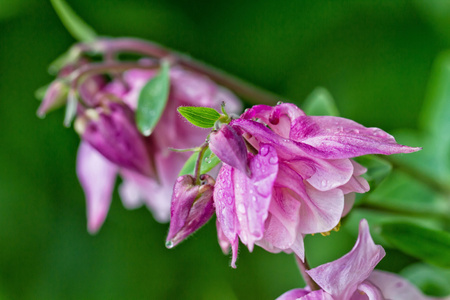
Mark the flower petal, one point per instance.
(367, 291)
(278, 117)
(230, 148)
(334, 137)
(319, 295)
(293, 294)
(395, 287)
(252, 195)
(319, 211)
(97, 176)
(341, 277)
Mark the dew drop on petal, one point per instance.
(241, 208)
(169, 244)
(264, 150)
(324, 183)
(279, 102)
(273, 160)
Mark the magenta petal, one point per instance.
(334, 137)
(113, 133)
(367, 291)
(224, 203)
(319, 211)
(341, 277)
(224, 243)
(319, 295)
(230, 148)
(281, 229)
(395, 287)
(97, 176)
(293, 294)
(192, 206)
(278, 117)
(252, 195)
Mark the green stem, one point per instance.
(131, 45)
(303, 267)
(198, 163)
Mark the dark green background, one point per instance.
(375, 58)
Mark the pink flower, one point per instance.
(352, 277)
(112, 144)
(300, 177)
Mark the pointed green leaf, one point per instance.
(377, 167)
(320, 103)
(427, 244)
(152, 100)
(210, 160)
(73, 23)
(203, 117)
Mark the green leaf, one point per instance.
(320, 103)
(427, 244)
(431, 280)
(210, 160)
(377, 168)
(73, 23)
(152, 100)
(203, 117)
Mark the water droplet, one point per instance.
(273, 160)
(355, 131)
(169, 244)
(324, 183)
(339, 129)
(279, 102)
(147, 132)
(241, 208)
(264, 150)
(254, 199)
(180, 179)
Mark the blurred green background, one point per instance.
(375, 58)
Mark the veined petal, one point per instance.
(97, 176)
(225, 203)
(318, 295)
(293, 294)
(367, 291)
(334, 137)
(230, 148)
(278, 117)
(320, 211)
(341, 277)
(192, 206)
(395, 287)
(252, 195)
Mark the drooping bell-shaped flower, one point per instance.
(352, 277)
(312, 178)
(192, 206)
(105, 120)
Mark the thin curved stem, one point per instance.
(303, 267)
(132, 45)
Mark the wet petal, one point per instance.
(334, 137)
(319, 295)
(230, 148)
(192, 206)
(252, 195)
(341, 277)
(97, 176)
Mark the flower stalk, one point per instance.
(303, 267)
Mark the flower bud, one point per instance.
(111, 130)
(55, 97)
(192, 206)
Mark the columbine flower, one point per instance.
(112, 145)
(297, 177)
(352, 277)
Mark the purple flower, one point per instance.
(352, 277)
(302, 180)
(112, 145)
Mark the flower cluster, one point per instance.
(111, 142)
(285, 175)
